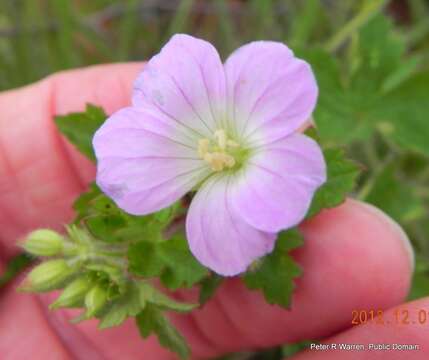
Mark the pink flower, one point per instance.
(228, 131)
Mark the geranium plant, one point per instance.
(206, 175)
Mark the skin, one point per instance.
(354, 256)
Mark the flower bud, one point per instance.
(47, 276)
(112, 272)
(95, 300)
(73, 294)
(43, 242)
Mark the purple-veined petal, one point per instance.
(185, 81)
(275, 189)
(142, 164)
(217, 235)
(142, 202)
(270, 92)
(136, 132)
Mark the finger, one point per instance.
(354, 257)
(40, 175)
(24, 331)
(28, 331)
(402, 327)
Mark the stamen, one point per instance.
(203, 147)
(221, 138)
(216, 162)
(229, 160)
(216, 155)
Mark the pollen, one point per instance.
(216, 152)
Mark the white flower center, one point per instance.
(215, 152)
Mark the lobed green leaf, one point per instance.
(170, 259)
(151, 320)
(341, 178)
(208, 287)
(405, 111)
(397, 198)
(79, 128)
(275, 273)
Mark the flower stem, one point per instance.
(368, 11)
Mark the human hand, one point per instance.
(354, 257)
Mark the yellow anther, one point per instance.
(216, 154)
(203, 147)
(220, 135)
(229, 160)
(208, 157)
(218, 161)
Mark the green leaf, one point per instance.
(208, 287)
(341, 177)
(151, 295)
(405, 111)
(276, 273)
(115, 316)
(129, 304)
(105, 227)
(395, 197)
(289, 350)
(166, 215)
(83, 204)
(144, 259)
(377, 57)
(106, 222)
(79, 128)
(341, 114)
(352, 94)
(381, 65)
(169, 259)
(181, 268)
(152, 321)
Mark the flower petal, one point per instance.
(142, 163)
(217, 236)
(270, 92)
(275, 190)
(186, 82)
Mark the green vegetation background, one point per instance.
(370, 58)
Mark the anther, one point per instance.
(203, 147)
(216, 154)
(221, 138)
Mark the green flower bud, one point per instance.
(43, 242)
(47, 276)
(73, 294)
(95, 300)
(112, 272)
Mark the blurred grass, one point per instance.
(38, 37)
